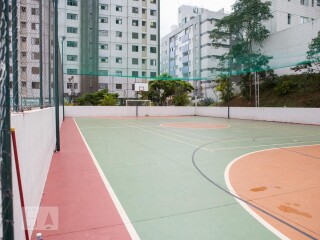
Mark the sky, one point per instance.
(169, 10)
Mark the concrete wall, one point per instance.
(290, 115)
(35, 134)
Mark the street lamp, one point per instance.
(62, 57)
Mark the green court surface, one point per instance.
(152, 170)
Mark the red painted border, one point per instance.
(85, 208)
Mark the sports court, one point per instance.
(185, 178)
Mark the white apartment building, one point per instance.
(293, 26)
(28, 45)
(290, 13)
(109, 44)
(187, 51)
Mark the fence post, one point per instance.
(56, 74)
(5, 143)
(15, 83)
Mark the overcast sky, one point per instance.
(169, 10)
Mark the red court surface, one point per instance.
(85, 208)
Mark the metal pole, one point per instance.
(15, 83)
(40, 53)
(6, 167)
(62, 63)
(49, 50)
(56, 74)
(229, 85)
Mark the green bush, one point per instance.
(284, 87)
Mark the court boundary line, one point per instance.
(125, 219)
(244, 204)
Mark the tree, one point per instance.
(312, 65)
(99, 98)
(244, 30)
(165, 88)
(224, 87)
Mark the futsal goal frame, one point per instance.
(143, 105)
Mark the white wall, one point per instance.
(290, 115)
(35, 134)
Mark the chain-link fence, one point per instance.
(27, 44)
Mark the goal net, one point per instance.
(138, 107)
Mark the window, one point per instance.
(153, 62)
(118, 60)
(135, 61)
(23, 69)
(144, 36)
(135, 48)
(153, 74)
(103, 6)
(118, 21)
(103, 46)
(318, 2)
(312, 3)
(72, 44)
(23, 9)
(35, 11)
(153, 37)
(144, 74)
(72, 30)
(119, 47)
(153, 1)
(304, 19)
(72, 16)
(104, 59)
(118, 8)
(35, 70)
(144, 61)
(104, 20)
(72, 57)
(153, 50)
(72, 3)
(119, 73)
(23, 24)
(35, 41)
(103, 72)
(289, 18)
(153, 24)
(72, 71)
(135, 10)
(153, 12)
(144, 23)
(103, 33)
(103, 85)
(304, 2)
(35, 56)
(143, 48)
(135, 22)
(35, 26)
(118, 85)
(118, 34)
(35, 85)
(135, 35)
(134, 74)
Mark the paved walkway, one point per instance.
(75, 188)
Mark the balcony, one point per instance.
(185, 38)
(185, 59)
(185, 49)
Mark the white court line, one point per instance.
(243, 204)
(125, 219)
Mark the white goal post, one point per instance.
(142, 107)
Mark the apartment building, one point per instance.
(109, 44)
(187, 51)
(33, 63)
(290, 13)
